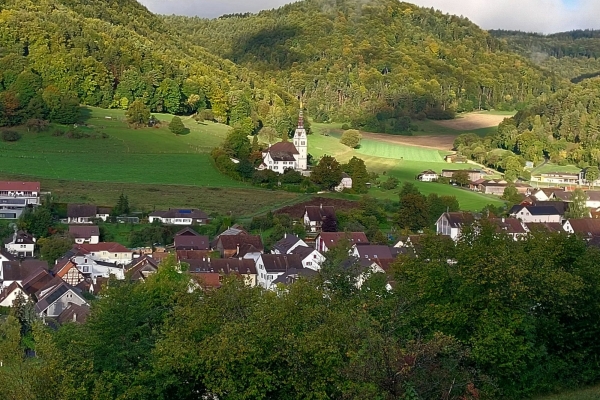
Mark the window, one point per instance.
(302, 143)
(309, 263)
(86, 269)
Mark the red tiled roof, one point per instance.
(20, 186)
(319, 213)
(110, 247)
(231, 242)
(283, 147)
(332, 238)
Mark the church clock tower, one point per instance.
(301, 142)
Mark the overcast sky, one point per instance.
(528, 15)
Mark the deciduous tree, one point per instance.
(327, 173)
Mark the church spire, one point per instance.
(301, 117)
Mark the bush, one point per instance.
(345, 127)
(351, 138)
(10, 136)
(390, 184)
(205, 115)
(58, 132)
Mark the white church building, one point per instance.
(288, 155)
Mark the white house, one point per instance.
(309, 256)
(315, 216)
(428, 176)
(287, 244)
(56, 297)
(85, 234)
(93, 268)
(15, 197)
(109, 252)
(327, 240)
(10, 293)
(529, 214)
(21, 244)
(179, 217)
(451, 223)
(346, 183)
(288, 155)
(270, 266)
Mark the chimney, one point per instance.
(74, 317)
(321, 206)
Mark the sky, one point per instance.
(545, 16)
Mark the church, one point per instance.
(285, 155)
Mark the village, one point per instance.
(62, 290)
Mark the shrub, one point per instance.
(58, 132)
(345, 127)
(390, 184)
(351, 138)
(10, 136)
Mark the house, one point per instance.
(586, 227)
(179, 217)
(85, 233)
(584, 181)
(53, 299)
(455, 158)
(21, 244)
(16, 197)
(229, 245)
(510, 226)
(327, 240)
(67, 270)
(372, 251)
(36, 280)
(544, 227)
(74, 313)
(212, 271)
(345, 183)
(314, 217)
(293, 275)
(309, 256)
(18, 271)
(86, 213)
(557, 178)
(451, 223)
(539, 213)
(495, 187)
(6, 256)
(270, 266)
(545, 194)
(408, 241)
(593, 199)
(109, 252)
(287, 244)
(474, 175)
(140, 269)
(9, 293)
(92, 267)
(428, 176)
(288, 155)
(248, 251)
(189, 239)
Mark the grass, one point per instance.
(555, 168)
(592, 393)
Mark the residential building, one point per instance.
(9, 293)
(189, 239)
(327, 240)
(309, 256)
(270, 266)
(539, 213)
(179, 217)
(314, 217)
(85, 234)
(109, 252)
(212, 271)
(92, 267)
(557, 178)
(67, 270)
(141, 268)
(510, 226)
(291, 276)
(373, 251)
(229, 245)
(428, 176)
(53, 299)
(586, 227)
(451, 223)
(345, 183)
(74, 313)
(474, 175)
(16, 197)
(287, 244)
(20, 244)
(18, 271)
(82, 213)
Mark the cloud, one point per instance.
(527, 15)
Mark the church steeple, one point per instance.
(301, 142)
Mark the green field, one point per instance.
(547, 168)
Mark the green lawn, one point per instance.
(547, 168)
(592, 393)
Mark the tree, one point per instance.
(122, 207)
(592, 174)
(138, 114)
(329, 224)
(461, 177)
(578, 207)
(54, 247)
(511, 195)
(237, 144)
(36, 221)
(390, 184)
(357, 170)
(351, 138)
(413, 212)
(437, 205)
(327, 173)
(177, 127)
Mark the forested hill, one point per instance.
(574, 55)
(108, 53)
(564, 127)
(355, 59)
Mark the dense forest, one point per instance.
(573, 55)
(57, 53)
(375, 63)
(504, 319)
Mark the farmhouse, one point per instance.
(179, 217)
(15, 197)
(288, 155)
(428, 176)
(474, 175)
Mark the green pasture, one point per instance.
(549, 167)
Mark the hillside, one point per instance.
(573, 55)
(107, 54)
(374, 63)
